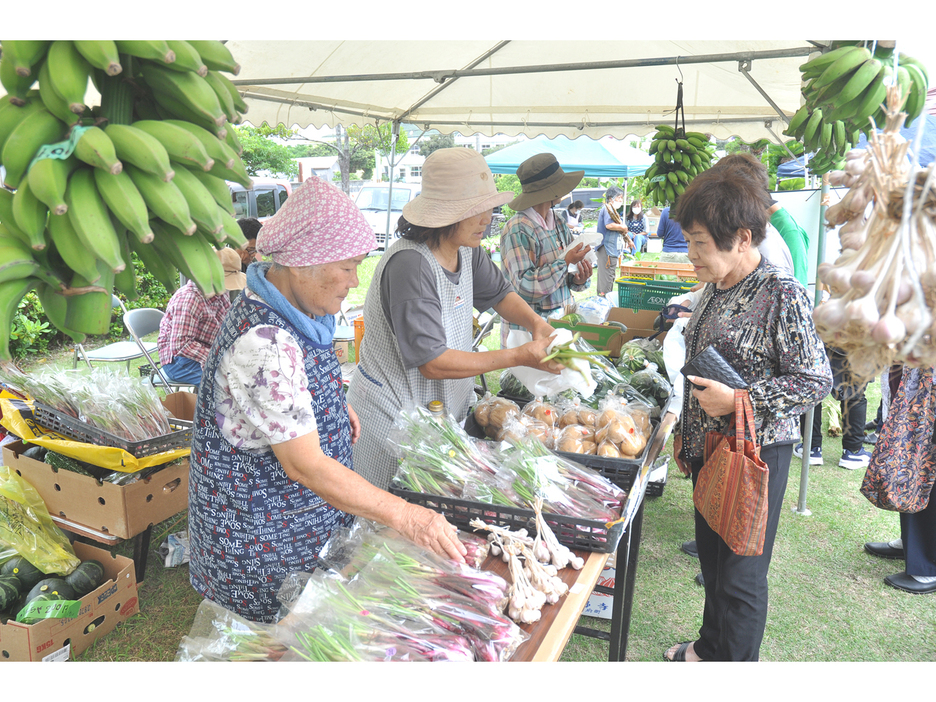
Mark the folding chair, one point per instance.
(117, 352)
(141, 322)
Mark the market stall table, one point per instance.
(549, 636)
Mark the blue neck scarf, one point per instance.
(320, 330)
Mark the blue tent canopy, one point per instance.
(796, 169)
(581, 154)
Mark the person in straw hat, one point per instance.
(191, 323)
(235, 278)
(419, 309)
(533, 240)
(272, 474)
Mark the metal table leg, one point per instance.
(141, 544)
(623, 601)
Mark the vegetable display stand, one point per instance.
(626, 559)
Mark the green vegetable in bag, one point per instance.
(25, 525)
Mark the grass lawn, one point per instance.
(828, 601)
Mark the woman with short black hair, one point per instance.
(759, 319)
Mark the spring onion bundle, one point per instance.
(396, 601)
(437, 457)
(101, 397)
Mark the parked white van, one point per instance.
(372, 200)
(261, 201)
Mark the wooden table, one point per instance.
(548, 636)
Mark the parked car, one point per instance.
(263, 200)
(590, 197)
(372, 200)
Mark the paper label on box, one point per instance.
(63, 654)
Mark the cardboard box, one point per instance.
(599, 604)
(181, 404)
(607, 336)
(120, 510)
(344, 350)
(101, 610)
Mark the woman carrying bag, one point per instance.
(759, 320)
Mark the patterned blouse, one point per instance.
(763, 327)
(636, 226)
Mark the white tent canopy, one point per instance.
(574, 88)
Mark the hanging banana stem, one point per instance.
(117, 94)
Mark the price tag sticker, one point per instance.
(55, 609)
(658, 178)
(60, 149)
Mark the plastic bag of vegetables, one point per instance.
(652, 385)
(513, 388)
(26, 526)
(637, 354)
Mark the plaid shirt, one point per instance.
(190, 324)
(532, 263)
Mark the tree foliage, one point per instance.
(436, 142)
(262, 154)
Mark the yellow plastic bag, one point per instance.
(18, 419)
(26, 526)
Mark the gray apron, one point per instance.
(381, 386)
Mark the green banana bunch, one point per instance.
(145, 176)
(678, 158)
(844, 90)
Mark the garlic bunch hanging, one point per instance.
(882, 284)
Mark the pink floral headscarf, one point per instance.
(318, 224)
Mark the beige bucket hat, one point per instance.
(234, 278)
(456, 184)
(542, 180)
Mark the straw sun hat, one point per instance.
(234, 279)
(542, 180)
(456, 184)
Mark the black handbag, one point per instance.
(711, 365)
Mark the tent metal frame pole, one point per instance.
(810, 413)
(440, 76)
(744, 68)
(434, 124)
(394, 135)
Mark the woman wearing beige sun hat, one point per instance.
(533, 240)
(418, 312)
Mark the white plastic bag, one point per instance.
(594, 310)
(542, 383)
(592, 239)
(674, 349)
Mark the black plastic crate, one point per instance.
(576, 533)
(65, 425)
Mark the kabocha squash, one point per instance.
(51, 586)
(27, 573)
(10, 589)
(86, 577)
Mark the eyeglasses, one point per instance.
(250, 250)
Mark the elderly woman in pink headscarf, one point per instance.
(271, 465)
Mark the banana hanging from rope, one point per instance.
(93, 187)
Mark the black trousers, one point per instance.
(854, 417)
(918, 532)
(735, 612)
